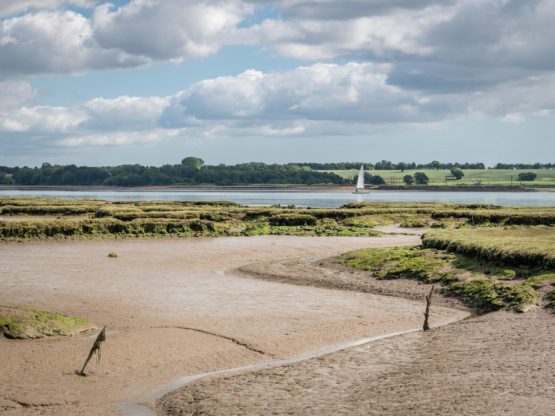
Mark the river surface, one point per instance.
(320, 199)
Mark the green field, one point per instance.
(546, 177)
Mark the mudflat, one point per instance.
(498, 364)
(176, 307)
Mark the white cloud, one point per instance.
(316, 100)
(372, 35)
(14, 94)
(351, 92)
(122, 138)
(169, 29)
(11, 7)
(53, 42)
(123, 112)
(137, 33)
(39, 120)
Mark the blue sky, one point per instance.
(151, 81)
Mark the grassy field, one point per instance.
(546, 177)
(487, 268)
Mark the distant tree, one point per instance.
(527, 176)
(409, 180)
(435, 164)
(384, 165)
(376, 180)
(193, 163)
(5, 179)
(457, 173)
(402, 166)
(421, 178)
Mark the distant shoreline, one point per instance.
(272, 188)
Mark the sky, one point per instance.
(97, 83)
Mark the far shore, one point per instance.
(274, 188)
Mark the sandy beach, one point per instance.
(175, 308)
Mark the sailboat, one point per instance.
(359, 189)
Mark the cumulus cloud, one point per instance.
(140, 32)
(40, 120)
(169, 29)
(435, 44)
(120, 138)
(432, 45)
(11, 7)
(356, 92)
(326, 29)
(54, 42)
(123, 112)
(315, 100)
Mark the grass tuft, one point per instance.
(26, 323)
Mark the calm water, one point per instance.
(329, 199)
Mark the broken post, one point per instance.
(427, 312)
(94, 350)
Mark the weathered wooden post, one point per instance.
(427, 312)
(94, 350)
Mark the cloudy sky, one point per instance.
(151, 81)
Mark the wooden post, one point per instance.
(94, 350)
(426, 326)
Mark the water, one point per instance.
(317, 199)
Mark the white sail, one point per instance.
(360, 180)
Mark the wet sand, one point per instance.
(497, 364)
(174, 308)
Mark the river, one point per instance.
(317, 199)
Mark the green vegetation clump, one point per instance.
(527, 176)
(113, 255)
(532, 246)
(26, 323)
(483, 286)
(499, 216)
(410, 262)
(414, 223)
(490, 295)
(292, 219)
(65, 218)
(420, 178)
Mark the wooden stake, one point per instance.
(94, 350)
(427, 312)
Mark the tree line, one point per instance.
(388, 165)
(525, 166)
(191, 171)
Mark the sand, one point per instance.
(175, 307)
(498, 364)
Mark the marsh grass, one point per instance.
(517, 246)
(27, 323)
(485, 286)
(85, 218)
